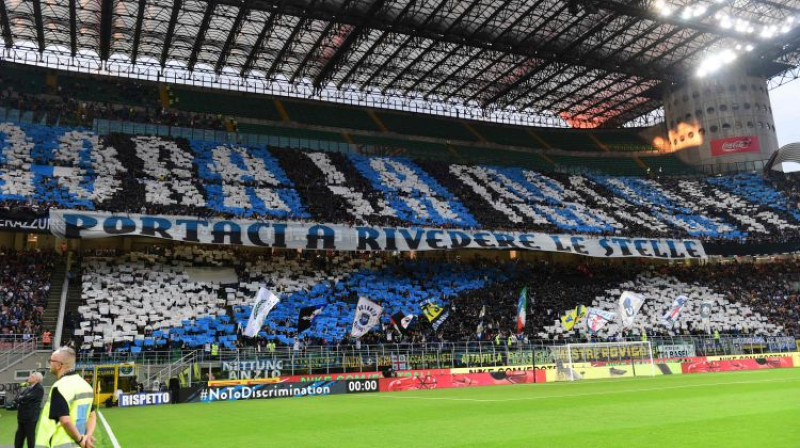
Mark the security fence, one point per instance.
(261, 363)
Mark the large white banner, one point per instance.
(629, 305)
(265, 301)
(310, 236)
(368, 314)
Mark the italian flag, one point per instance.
(522, 306)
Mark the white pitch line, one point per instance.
(110, 433)
(651, 389)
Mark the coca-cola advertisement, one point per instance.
(734, 145)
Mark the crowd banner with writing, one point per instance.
(286, 390)
(21, 221)
(310, 236)
(676, 351)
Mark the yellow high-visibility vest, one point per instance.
(79, 396)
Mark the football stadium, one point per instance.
(410, 223)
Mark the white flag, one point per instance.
(705, 313)
(265, 301)
(671, 317)
(629, 305)
(597, 319)
(368, 314)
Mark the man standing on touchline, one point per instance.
(29, 403)
(68, 417)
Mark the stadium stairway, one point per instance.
(74, 300)
(50, 316)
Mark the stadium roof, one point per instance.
(603, 61)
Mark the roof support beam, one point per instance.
(474, 57)
(137, 33)
(568, 80)
(641, 51)
(37, 17)
(647, 12)
(173, 20)
(269, 25)
(106, 12)
(430, 29)
(524, 61)
(6, 25)
(332, 64)
(73, 28)
(639, 83)
(312, 52)
(408, 39)
(538, 69)
(455, 50)
(286, 45)
(201, 34)
(235, 30)
(376, 44)
(424, 52)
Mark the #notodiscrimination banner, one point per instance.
(312, 236)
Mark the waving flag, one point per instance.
(522, 307)
(705, 312)
(569, 319)
(436, 315)
(479, 331)
(671, 317)
(306, 317)
(265, 301)
(597, 319)
(401, 321)
(367, 315)
(580, 312)
(629, 305)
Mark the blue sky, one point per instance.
(786, 112)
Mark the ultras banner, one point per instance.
(21, 221)
(310, 236)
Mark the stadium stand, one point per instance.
(624, 166)
(24, 289)
(49, 166)
(92, 97)
(321, 114)
(190, 296)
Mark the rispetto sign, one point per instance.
(145, 399)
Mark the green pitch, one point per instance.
(742, 409)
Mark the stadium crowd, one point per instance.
(179, 177)
(124, 100)
(157, 302)
(24, 289)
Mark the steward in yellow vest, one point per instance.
(68, 417)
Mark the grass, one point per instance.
(738, 409)
(8, 427)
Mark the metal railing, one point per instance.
(370, 358)
(16, 348)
